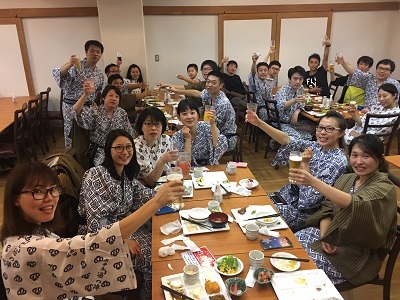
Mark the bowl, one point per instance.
(265, 221)
(218, 219)
(263, 275)
(308, 107)
(235, 272)
(248, 183)
(236, 286)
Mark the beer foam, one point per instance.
(295, 158)
(171, 177)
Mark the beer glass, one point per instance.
(78, 63)
(252, 106)
(175, 173)
(295, 159)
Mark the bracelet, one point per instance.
(328, 46)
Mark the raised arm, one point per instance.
(222, 65)
(270, 52)
(187, 79)
(325, 58)
(64, 69)
(81, 101)
(254, 58)
(190, 93)
(348, 67)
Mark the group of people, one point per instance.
(346, 222)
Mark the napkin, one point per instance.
(265, 231)
(191, 245)
(241, 190)
(178, 247)
(171, 240)
(250, 281)
(171, 227)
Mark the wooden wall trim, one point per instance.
(49, 12)
(248, 9)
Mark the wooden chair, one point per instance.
(34, 125)
(387, 135)
(237, 153)
(57, 115)
(333, 88)
(45, 127)
(384, 281)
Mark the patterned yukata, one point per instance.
(260, 88)
(147, 157)
(225, 116)
(376, 109)
(203, 152)
(367, 82)
(105, 200)
(72, 84)
(284, 94)
(97, 121)
(133, 91)
(39, 267)
(303, 201)
(363, 231)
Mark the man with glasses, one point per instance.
(370, 83)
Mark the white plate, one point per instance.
(270, 222)
(248, 183)
(285, 265)
(209, 179)
(229, 186)
(199, 213)
(239, 269)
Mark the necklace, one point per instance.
(354, 188)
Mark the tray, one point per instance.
(190, 228)
(308, 284)
(210, 179)
(205, 273)
(280, 224)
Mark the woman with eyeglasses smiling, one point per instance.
(154, 149)
(37, 264)
(110, 192)
(324, 159)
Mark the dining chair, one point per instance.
(34, 133)
(386, 135)
(237, 153)
(57, 115)
(384, 281)
(334, 88)
(45, 127)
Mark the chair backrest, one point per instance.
(33, 112)
(389, 127)
(275, 89)
(20, 123)
(333, 88)
(273, 118)
(44, 103)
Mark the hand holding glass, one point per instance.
(295, 159)
(175, 173)
(252, 107)
(207, 109)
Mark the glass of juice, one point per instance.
(207, 109)
(184, 160)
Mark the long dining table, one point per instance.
(7, 109)
(232, 241)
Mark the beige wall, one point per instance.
(243, 2)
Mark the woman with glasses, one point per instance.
(110, 192)
(100, 120)
(324, 159)
(153, 148)
(37, 264)
(349, 237)
(387, 97)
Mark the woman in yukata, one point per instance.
(324, 159)
(110, 192)
(202, 139)
(153, 147)
(388, 97)
(349, 237)
(37, 264)
(100, 120)
(290, 100)
(134, 76)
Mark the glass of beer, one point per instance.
(207, 109)
(90, 80)
(78, 63)
(175, 173)
(331, 67)
(295, 159)
(252, 106)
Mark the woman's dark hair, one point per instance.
(129, 76)
(390, 88)
(132, 169)
(108, 88)
(114, 77)
(341, 122)
(187, 104)
(373, 146)
(155, 114)
(24, 176)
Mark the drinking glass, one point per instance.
(175, 173)
(119, 56)
(78, 63)
(331, 66)
(252, 106)
(295, 159)
(90, 80)
(207, 109)
(184, 160)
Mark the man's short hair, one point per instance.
(316, 56)
(114, 77)
(218, 75)
(387, 61)
(366, 60)
(94, 43)
(192, 66)
(232, 62)
(262, 64)
(275, 63)
(296, 69)
(211, 63)
(108, 68)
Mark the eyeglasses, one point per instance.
(328, 129)
(383, 69)
(121, 149)
(40, 194)
(149, 124)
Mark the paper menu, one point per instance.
(202, 258)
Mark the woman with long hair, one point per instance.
(134, 76)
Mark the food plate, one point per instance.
(196, 290)
(186, 183)
(285, 265)
(302, 285)
(209, 179)
(199, 214)
(189, 228)
(239, 268)
(248, 183)
(266, 221)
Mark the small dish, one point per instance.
(285, 265)
(270, 221)
(238, 269)
(199, 214)
(218, 219)
(236, 286)
(263, 275)
(248, 183)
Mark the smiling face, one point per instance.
(231, 69)
(383, 72)
(188, 117)
(262, 72)
(363, 164)
(386, 99)
(135, 73)
(37, 211)
(118, 83)
(329, 140)
(122, 158)
(111, 100)
(213, 85)
(205, 70)
(93, 54)
(296, 81)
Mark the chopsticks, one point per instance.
(199, 224)
(262, 217)
(225, 189)
(172, 291)
(288, 258)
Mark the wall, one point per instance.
(241, 2)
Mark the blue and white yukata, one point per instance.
(260, 88)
